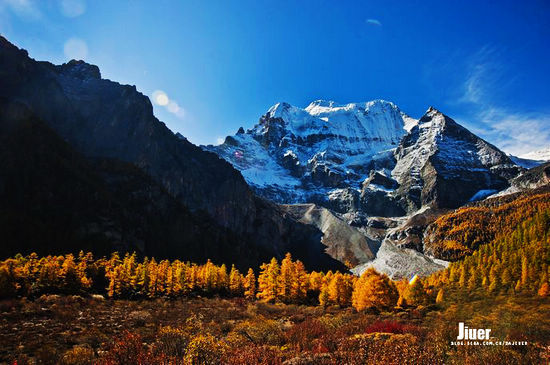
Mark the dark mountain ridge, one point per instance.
(102, 119)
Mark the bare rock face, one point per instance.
(102, 119)
(532, 178)
(377, 178)
(344, 242)
(442, 164)
(55, 201)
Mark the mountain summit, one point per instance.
(368, 157)
(299, 155)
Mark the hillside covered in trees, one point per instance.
(458, 234)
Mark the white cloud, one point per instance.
(473, 91)
(75, 48)
(220, 140)
(517, 133)
(513, 131)
(72, 8)
(373, 22)
(160, 98)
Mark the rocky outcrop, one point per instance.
(532, 178)
(442, 164)
(344, 242)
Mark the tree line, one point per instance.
(516, 260)
(128, 277)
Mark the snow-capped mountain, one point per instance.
(533, 158)
(367, 157)
(441, 163)
(301, 155)
(372, 166)
(540, 155)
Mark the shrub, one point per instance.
(172, 342)
(78, 355)
(254, 355)
(303, 334)
(262, 331)
(392, 327)
(128, 349)
(205, 349)
(382, 348)
(140, 318)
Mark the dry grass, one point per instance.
(77, 330)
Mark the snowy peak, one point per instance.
(540, 155)
(328, 153)
(320, 107)
(279, 110)
(442, 163)
(376, 119)
(433, 118)
(532, 159)
(313, 150)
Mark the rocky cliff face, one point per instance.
(344, 242)
(55, 201)
(533, 178)
(442, 164)
(103, 119)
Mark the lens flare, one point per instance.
(160, 98)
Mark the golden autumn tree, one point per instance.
(235, 282)
(208, 276)
(340, 290)
(300, 284)
(286, 279)
(115, 285)
(414, 293)
(524, 271)
(68, 273)
(152, 268)
(440, 297)
(374, 290)
(222, 282)
(268, 281)
(315, 281)
(169, 283)
(324, 297)
(250, 285)
(544, 290)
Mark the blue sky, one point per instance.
(222, 64)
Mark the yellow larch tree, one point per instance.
(250, 285)
(268, 281)
(286, 279)
(235, 282)
(374, 290)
